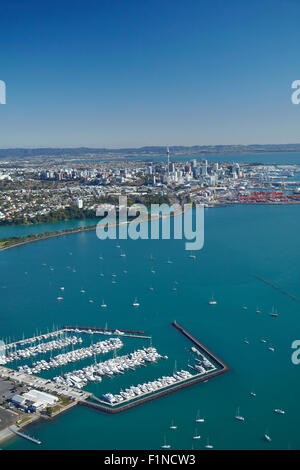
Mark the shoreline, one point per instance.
(81, 229)
(41, 237)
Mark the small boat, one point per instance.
(253, 394)
(165, 445)
(267, 437)
(274, 312)
(246, 341)
(169, 261)
(198, 418)
(208, 445)
(173, 426)
(82, 291)
(244, 307)
(258, 310)
(212, 301)
(62, 288)
(192, 256)
(196, 435)
(263, 340)
(151, 288)
(123, 255)
(60, 298)
(151, 258)
(135, 303)
(279, 411)
(103, 305)
(238, 416)
(271, 349)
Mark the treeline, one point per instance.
(4, 242)
(73, 213)
(59, 215)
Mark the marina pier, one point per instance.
(220, 362)
(118, 332)
(15, 430)
(184, 383)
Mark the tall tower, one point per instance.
(168, 155)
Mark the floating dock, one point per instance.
(113, 409)
(131, 333)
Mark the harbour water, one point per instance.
(240, 242)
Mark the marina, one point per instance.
(221, 327)
(140, 394)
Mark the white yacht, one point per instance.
(279, 411)
(208, 445)
(267, 437)
(212, 301)
(238, 416)
(165, 445)
(135, 303)
(274, 312)
(196, 435)
(173, 426)
(198, 418)
(103, 305)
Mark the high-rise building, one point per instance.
(204, 168)
(79, 203)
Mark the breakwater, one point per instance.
(113, 409)
(274, 286)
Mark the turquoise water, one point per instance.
(23, 230)
(239, 243)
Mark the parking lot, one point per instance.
(7, 390)
(7, 418)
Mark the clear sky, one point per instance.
(118, 73)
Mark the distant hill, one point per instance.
(85, 152)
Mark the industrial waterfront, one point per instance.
(224, 269)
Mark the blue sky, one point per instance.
(118, 73)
